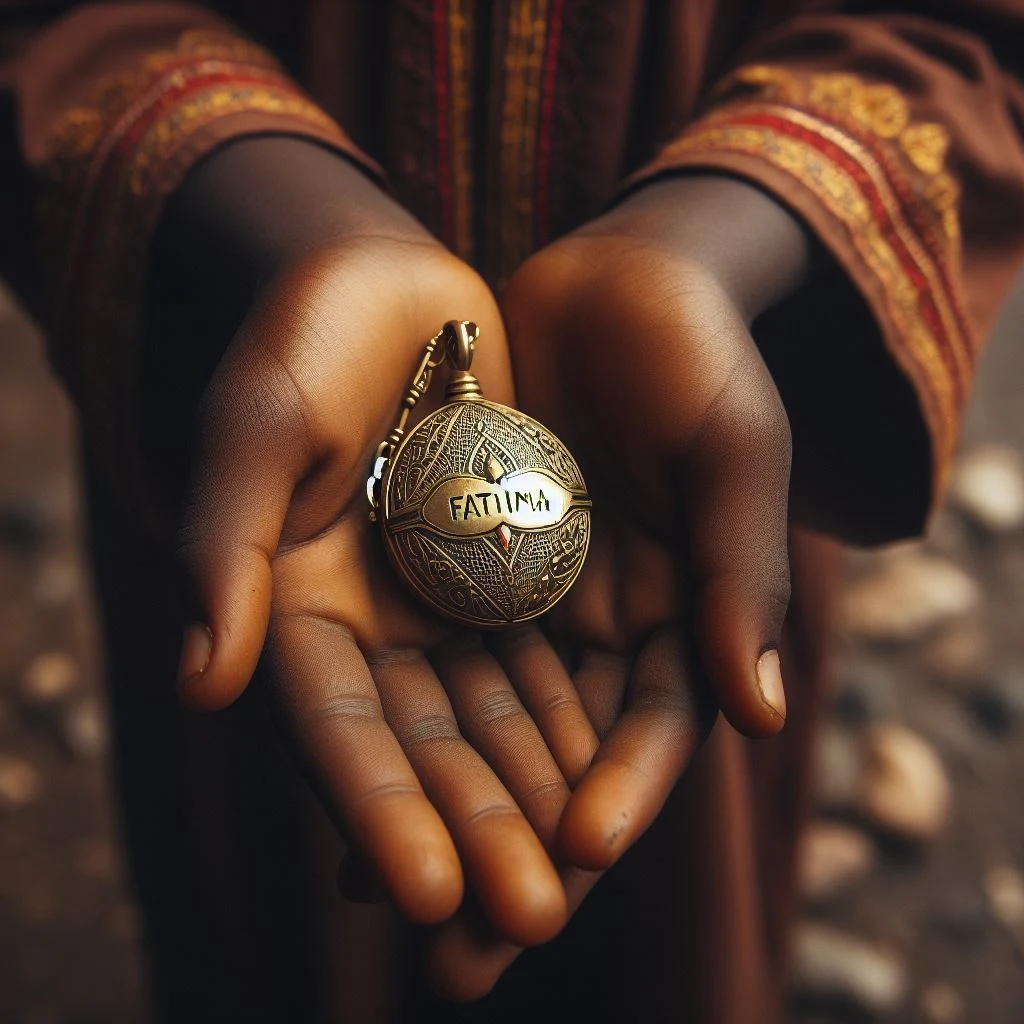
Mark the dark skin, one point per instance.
(442, 758)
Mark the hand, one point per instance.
(630, 340)
(427, 757)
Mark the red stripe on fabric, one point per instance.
(118, 156)
(542, 217)
(911, 202)
(442, 92)
(836, 155)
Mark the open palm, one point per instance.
(436, 756)
(639, 359)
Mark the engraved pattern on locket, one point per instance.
(484, 512)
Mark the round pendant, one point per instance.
(484, 513)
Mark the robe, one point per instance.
(893, 131)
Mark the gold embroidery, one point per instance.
(199, 110)
(520, 121)
(78, 129)
(844, 198)
(104, 198)
(877, 108)
(943, 192)
(926, 145)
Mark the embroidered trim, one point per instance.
(111, 166)
(453, 72)
(855, 147)
(525, 74)
(873, 108)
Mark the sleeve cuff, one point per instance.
(109, 169)
(871, 182)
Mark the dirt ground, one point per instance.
(69, 931)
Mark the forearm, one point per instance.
(852, 473)
(746, 240)
(258, 202)
(249, 209)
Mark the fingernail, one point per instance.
(769, 679)
(196, 645)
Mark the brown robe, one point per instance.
(892, 129)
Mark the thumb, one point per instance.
(251, 448)
(735, 507)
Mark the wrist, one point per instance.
(241, 216)
(755, 249)
(258, 203)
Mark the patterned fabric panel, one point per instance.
(847, 153)
(109, 168)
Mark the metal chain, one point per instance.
(418, 387)
(458, 337)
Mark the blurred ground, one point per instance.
(68, 928)
(915, 902)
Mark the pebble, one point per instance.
(832, 857)
(988, 488)
(1004, 887)
(905, 790)
(907, 597)
(49, 678)
(20, 783)
(942, 1004)
(960, 654)
(886, 775)
(83, 730)
(830, 964)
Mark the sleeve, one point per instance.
(897, 139)
(103, 109)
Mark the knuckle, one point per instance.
(544, 788)
(384, 790)
(431, 730)
(497, 707)
(559, 703)
(491, 811)
(345, 707)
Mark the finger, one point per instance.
(252, 447)
(329, 704)
(494, 721)
(735, 505)
(601, 681)
(539, 677)
(640, 761)
(510, 872)
(466, 958)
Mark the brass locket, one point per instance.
(483, 511)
